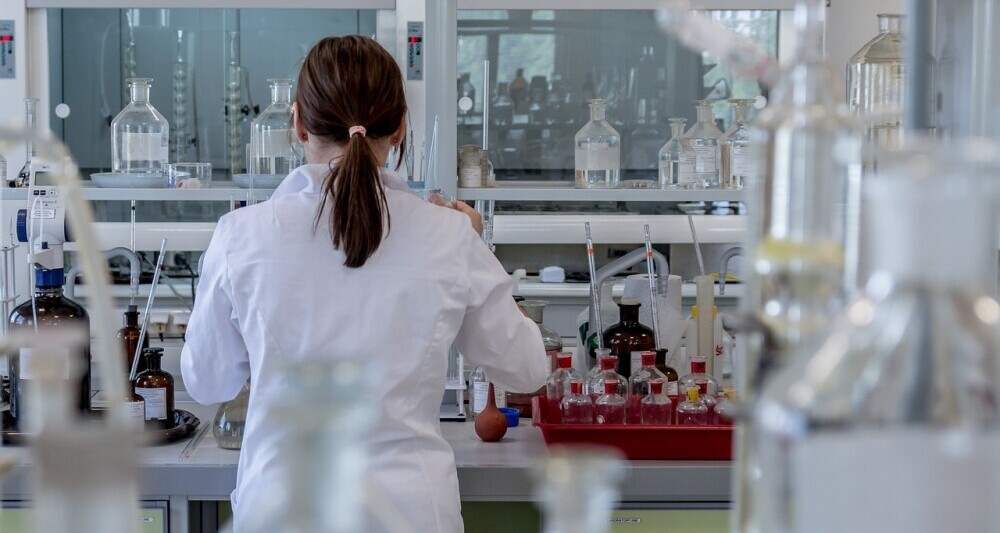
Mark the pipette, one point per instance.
(697, 246)
(595, 298)
(652, 288)
(149, 307)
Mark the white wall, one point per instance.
(852, 23)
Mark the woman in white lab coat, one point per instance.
(343, 260)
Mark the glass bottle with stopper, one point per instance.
(609, 408)
(128, 336)
(705, 137)
(876, 81)
(656, 409)
(576, 406)
(692, 411)
(629, 338)
(677, 159)
(605, 371)
(156, 387)
(140, 136)
(638, 385)
(598, 151)
(737, 157)
(557, 386)
(273, 148)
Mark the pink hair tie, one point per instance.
(357, 129)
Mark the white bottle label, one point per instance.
(916, 480)
(706, 159)
(29, 362)
(135, 412)
(741, 162)
(144, 147)
(156, 402)
(685, 167)
(480, 395)
(672, 388)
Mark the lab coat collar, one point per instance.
(309, 179)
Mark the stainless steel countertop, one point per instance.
(486, 471)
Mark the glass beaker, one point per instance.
(140, 136)
(677, 159)
(876, 81)
(231, 420)
(705, 137)
(905, 381)
(598, 151)
(273, 148)
(737, 160)
(577, 487)
(189, 175)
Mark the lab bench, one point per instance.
(487, 472)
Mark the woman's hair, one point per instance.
(346, 82)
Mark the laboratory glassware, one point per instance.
(273, 148)
(876, 81)
(638, 385)
(628, 338)
(705, 137)
(737, 159)
(156, 387)
(49, 310)
(698, 378)
(802, 239)
(557, 384)
(234, 108)
(692, 411)
(31, 125)
(598, 151)
(907, 372)
(140, 135)
(480, 386)
(189, 175)
(605, 371)
(609, 408)
(128, 336)
(180, 138)
(726, 408)
(576, 407)
(470, 167)
(677, 159)
(231, 420)
(655, 409)
(535, 310)
(671, 375)
(577, 487)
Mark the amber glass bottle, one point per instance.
(672, 376)
(157, 390)
(628, 337)
(53, 310)
(128, 336)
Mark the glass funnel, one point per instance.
(876, 81)
(577, 487)
(705, 137)
(904, 386)
(231, 420)
(598, 151)
(140, 136)
(273, 149)
(737, 159)
(677, 159)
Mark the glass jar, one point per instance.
(904, 383)
(705, 137)
(604, 372)
(609, 408)
(677, 159)
(231, 420)
(156, 386)
(576, 406)
(598, 151)
(557, 385)
(656, 409)
(737, 159)
(638, 385)
(273, 148)
(876, 81)
(692, 411)
(140, 136)
(629, 338)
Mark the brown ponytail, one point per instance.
(346, 82)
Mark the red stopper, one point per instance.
(608, 362)
(656, 386)
(697, 367)
(648, 358)
(565, 360)
(576, 387)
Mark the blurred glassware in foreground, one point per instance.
(577, 487)
(876, 81)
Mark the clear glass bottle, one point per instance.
(698, 378)
(273, 148)
(598, 151)
(656, 409)
(128, 337)
(51, 310)
(595, 370)
(909, 369)
(705, 137)
(638, 385)
(140, 136)
(876, 81)
(156, 387)
(737, 158)
(557, 385)
(726, 409)
(692, 411)
(677, 159)
(802, 240)
(231, 420)
(480, 387)
(594, 385)
(576, 407)
(609, 408)
(628, 338)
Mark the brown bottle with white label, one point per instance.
(157, 390)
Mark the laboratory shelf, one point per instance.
(548, 191)
(219, 192)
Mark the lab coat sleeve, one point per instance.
(494, 333)
(214, 362)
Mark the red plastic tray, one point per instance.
(693, 443)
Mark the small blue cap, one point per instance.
(49, 278)
(512, 414)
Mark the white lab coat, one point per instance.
(272, 290)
